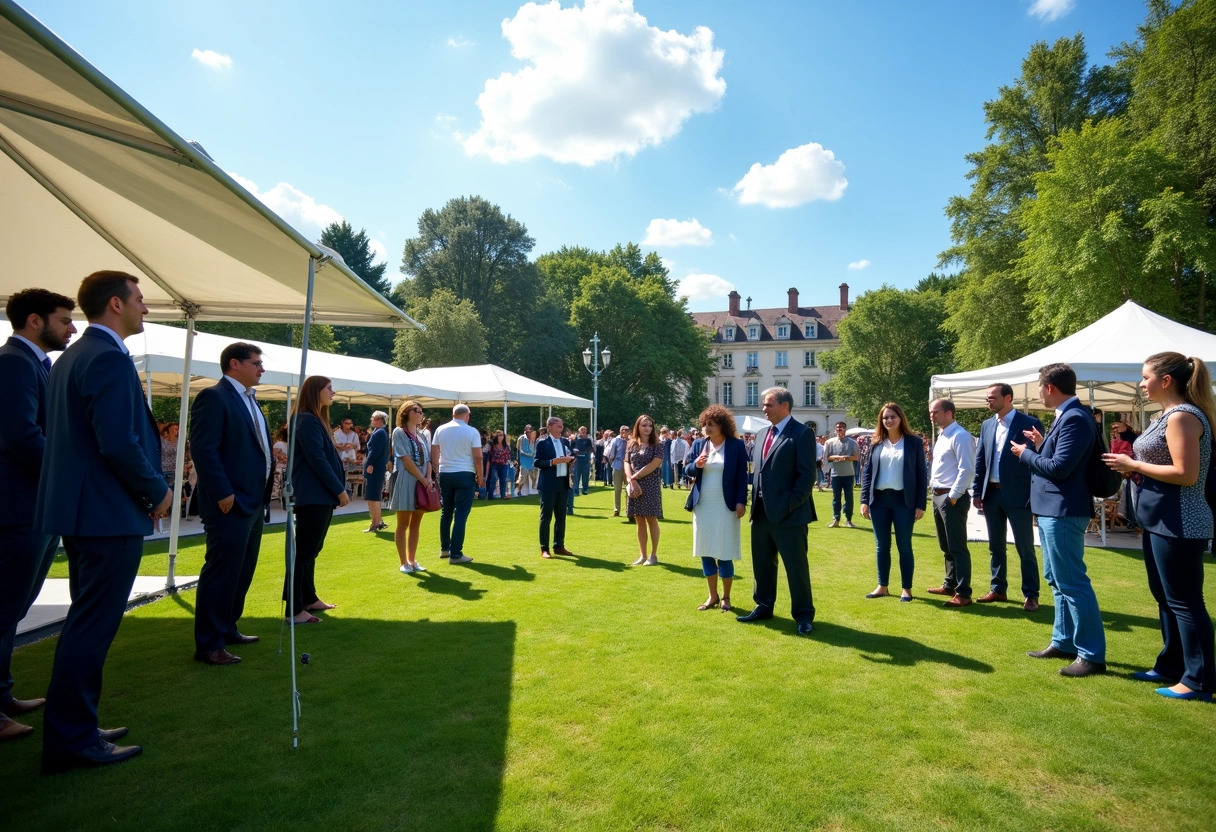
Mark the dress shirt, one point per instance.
(677, 451)
(560, 468)
(255, 413)
(37, 350)
(121, 344)
(890, 465)
(1063, 405)
(998, 442)
(774, 431)
(953, 460)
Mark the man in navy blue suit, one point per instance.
(230, 446)
(100, 489)
(1002, 490)
(1061, 499)
(554, 460)
(42, 323)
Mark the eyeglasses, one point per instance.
(258, 363)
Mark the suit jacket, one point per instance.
(376, 454)
(916, 474)
(734, 472)
(546, 452)
(101, 470)
(1015, 478)
(1057, 485)
(227, 455)
(786, 476)
(317, 475)
(22, 431)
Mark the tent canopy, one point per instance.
(91, 180)
(486, 385)
(1107, 356)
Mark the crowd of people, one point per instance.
(84, 463)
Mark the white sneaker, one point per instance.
(418, 567)
(461, 559)
(654, 561)
(405, 569)
(849, 523)
(833, 524)
(640, 561)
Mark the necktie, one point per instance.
(768, 443)
(46, 362)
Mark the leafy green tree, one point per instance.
(355, 248)
(891, 344)
(454, 336)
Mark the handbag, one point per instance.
(425, 499)
(693, 497)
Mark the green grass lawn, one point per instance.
(521, 694)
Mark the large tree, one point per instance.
(356, 251)
(454, 335)
(891, 344)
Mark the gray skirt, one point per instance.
(403, 489)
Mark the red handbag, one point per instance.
(425, 499)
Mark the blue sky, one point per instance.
(755, 146)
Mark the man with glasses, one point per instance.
(951, 476)
(230, 445)
(554, 460)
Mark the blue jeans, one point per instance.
(667, 473)
(500, 475)
(582, 474)
(1175, 577)
(1078, 624)
(456, 490)
(842, 485)
(713, 566)
(889, 509)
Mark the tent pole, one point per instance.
(183, 412)
(504, 418)
(148, 384)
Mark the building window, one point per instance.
(783, 330)
(808, 330)
(729, 334)
(808, 393)
(753, 360)
(782, 358)
(753, 394)
(728, 394)
(782, 382)
(808, 358)
(753, 333)
(728, 361)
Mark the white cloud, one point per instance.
(677, 233)
(459, 42)
(704, 287)
(599, 83)
(858, 265)
(214, 60)
(445, 120)
(299, 209)
(799, 175)
(1049, 10)
(379, 250)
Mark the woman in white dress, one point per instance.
(412, 461)
(720, 500)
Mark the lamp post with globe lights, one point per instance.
(592, 358)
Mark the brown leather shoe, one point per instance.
(216, 657)
(17, 707)
(562, 550)
(1051, 652)
(958, 601)
(1031, 605)
(939, 590)
(1082, 667)
(989, 597)
(10, 730)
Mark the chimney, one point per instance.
(844, 296)
(733, 297)
(793, 307)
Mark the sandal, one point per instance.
(726, 603)
(709, 604)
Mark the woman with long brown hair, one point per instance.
(319, 482)
(1172, 458)
(412, 461)
(643, 461)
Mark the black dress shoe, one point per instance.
(1082, 667)
(241, 638)
(216, 657)
(1050, 652)
(17, 707)
(805, 628)
(102, 754)
(758, 614)
(112, 734)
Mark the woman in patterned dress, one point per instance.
(1172, 457)
(643, 462)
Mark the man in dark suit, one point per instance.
(375, 461)
(1002, 490)
(781, 509)
(42, 323)
(101, 487)
(1061, 499)
(554, 460)
(230, 446)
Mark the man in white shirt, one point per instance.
(951, 476)
(347, 442)
(456, 452)
(679, 450)
(614, 457)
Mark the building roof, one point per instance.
(827, 318)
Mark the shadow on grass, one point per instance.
(878, 647)
(515, 572)
(403, 725)
(443, 585)
(688, 571)
(588, 562)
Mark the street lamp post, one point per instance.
(591, 360)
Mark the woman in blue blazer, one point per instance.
(894, 485)
(719, 498)
(319, 482)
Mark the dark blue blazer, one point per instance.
(317, 475)
(548, 480)
(916, 474)
(734, 472)
(227, 454)
(1015, 478)
(1057, 485)
(786, 476)
(22, 431)
(101, 470)
(376, 453)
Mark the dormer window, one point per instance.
(809, 330)
(729, 334)
(783, 331)
(753, 332)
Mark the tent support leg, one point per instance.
(183, 413)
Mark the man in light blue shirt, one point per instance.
(616, 456)
(951, 476)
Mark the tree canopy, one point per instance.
(356, 251)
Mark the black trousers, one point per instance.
(312, 524)
(553, 508)
(1175, 578)
(996, 514)
(951, 522)
(789, 542)
(25, 558)
(101, 572)
(233, 542)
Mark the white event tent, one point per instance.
(1107, 356)
(487, 385)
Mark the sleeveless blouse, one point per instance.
(1164, 508)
